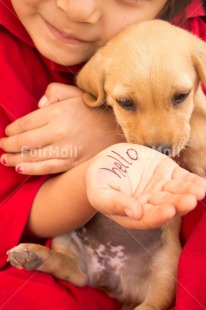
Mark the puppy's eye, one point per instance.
(126, 104)
(178, 98)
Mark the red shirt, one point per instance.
(24, 76)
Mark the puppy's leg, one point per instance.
(161, 293)
(59, 264)
(163, 278)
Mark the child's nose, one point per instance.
(81, 10)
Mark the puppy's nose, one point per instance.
(164, 149)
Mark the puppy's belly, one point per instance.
(112, 255)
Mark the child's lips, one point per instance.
(65, 37)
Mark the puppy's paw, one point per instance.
(24, 256)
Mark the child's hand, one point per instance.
(55, 138)
(140, 188)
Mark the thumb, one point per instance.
(112, 202)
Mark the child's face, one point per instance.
(70, 31)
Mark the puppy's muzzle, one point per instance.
(164, 149)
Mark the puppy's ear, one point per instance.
(199, 59)
(91, 80)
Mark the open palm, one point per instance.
(140, 188)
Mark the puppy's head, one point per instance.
(149, 74)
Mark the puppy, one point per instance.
(150, 75)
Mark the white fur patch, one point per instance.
(106, 255)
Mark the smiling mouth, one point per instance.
(64, 37)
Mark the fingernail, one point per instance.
(43, 101)
(19, 169)
(3, 161)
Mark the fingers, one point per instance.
(44, 167)
(146, 213)
(183, 174)
(152, 218)
(25, 141)
(37, 155)
(198, 189)
(31, 121)
(183, 203)
(56, 92)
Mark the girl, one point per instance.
(39, 39)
